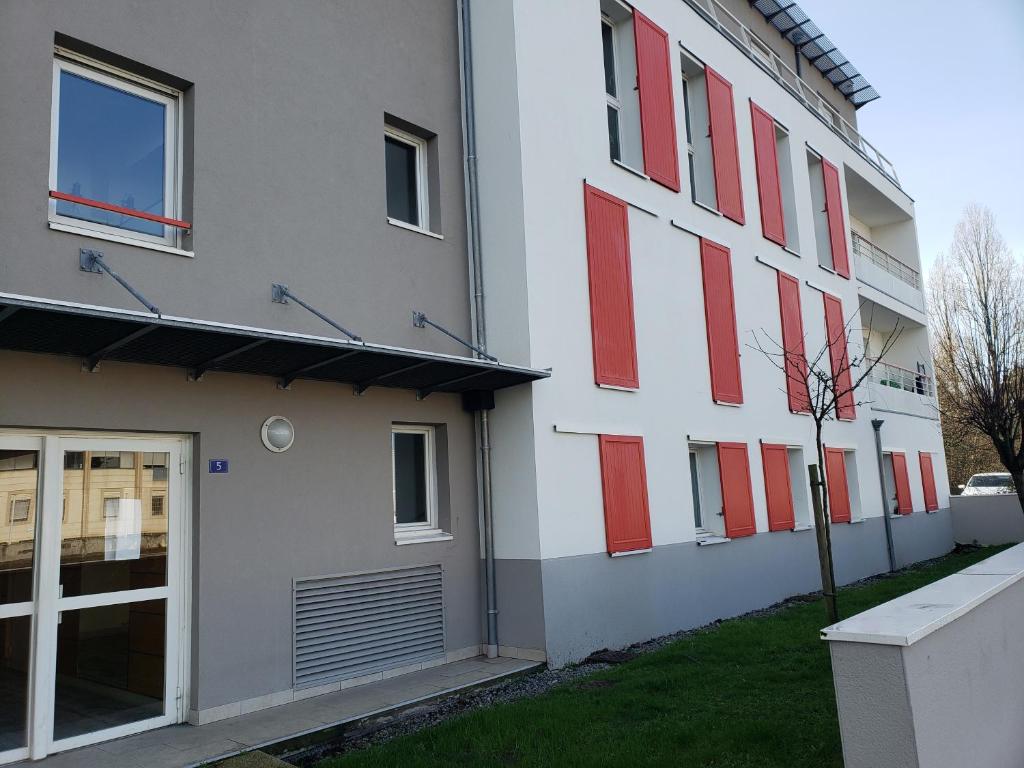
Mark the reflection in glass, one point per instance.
(15, 635)
(110, 667)
(19, 485)
(114, 530)
(111, 148)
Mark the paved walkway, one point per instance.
(181, 746)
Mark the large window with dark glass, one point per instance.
(114, 151)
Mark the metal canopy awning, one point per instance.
(29, 324)
(797, 27)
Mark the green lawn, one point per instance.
(748, 692)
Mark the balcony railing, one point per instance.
(762, 54)
(865, 249)
(889, 375)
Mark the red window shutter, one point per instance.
(835, 328)
(657, 106)
(777, 487)
(836, 225)
(838, 491)
(627, 521)
(904, 505)
(724, 146)
(795, 360)
(720, 315)
(611, 289)
(931, 499)
(737, 497)
(769, 189)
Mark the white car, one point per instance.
(987, 484)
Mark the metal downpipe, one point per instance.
(876, 424)
(478, 316)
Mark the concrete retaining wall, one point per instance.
(987, 520)
(934, 679)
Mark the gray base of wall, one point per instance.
(595, 601)
(987, 520)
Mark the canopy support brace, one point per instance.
(365, 385)
(280, 294)
(92, 261)
(419, 320)
(196, 374)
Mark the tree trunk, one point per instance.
(823, 532)
(1018, 486)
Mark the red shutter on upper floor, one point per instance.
(627, 521)
(778, 489)
(794, 360)
(839, 357)
(836, 225)
(611, 289)
(769, 189)
(724, 146)
(737, 496)
(838, 490)
(904, 505)
(931, 499)
(657, 106)
(720, 315)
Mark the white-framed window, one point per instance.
(414, 481)
(699, 153)
(788, 188)
(706, 490)
(799, 484)
(822, 238)
(156, 505)
(21, 508)
(618, 48)
(111, 506)
(115, 139)
(406, 169)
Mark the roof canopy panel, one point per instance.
(29, 324)
(797, 27)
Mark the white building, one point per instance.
(634, 240)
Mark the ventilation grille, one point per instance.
(347, 626)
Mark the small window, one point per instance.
(156, 506)
(74, 460)
(114, 141)
(20, 510)
(625, 142)
(112, 460)
(799, 483)
(706, 490)
(414, 473)
(698, 133)
(405, 160)
(111, 507)
(822, 238)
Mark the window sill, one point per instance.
(791, 251)
(413, 228)
(706, 540)
(730, 405)
(855, 521)
(421, 537)
(86, 232)
(707, 208)
(618, 388)
(632, 552)
(802, 527)
(827, 269)
(630, 169)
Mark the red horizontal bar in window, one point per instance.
(120, 209)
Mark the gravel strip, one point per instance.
(430, 714)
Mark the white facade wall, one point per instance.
(542, 131)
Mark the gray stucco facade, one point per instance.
(594, 601)
(282, 125)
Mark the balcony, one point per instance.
(901, 390)
(884, 272)
(718, 16)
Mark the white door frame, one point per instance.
(48, 602)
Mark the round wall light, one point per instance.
(278, 434)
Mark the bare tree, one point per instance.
(976, 312)
(826, 387)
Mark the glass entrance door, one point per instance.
(90, 590)
(19, 512)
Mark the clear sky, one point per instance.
(951, 116)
